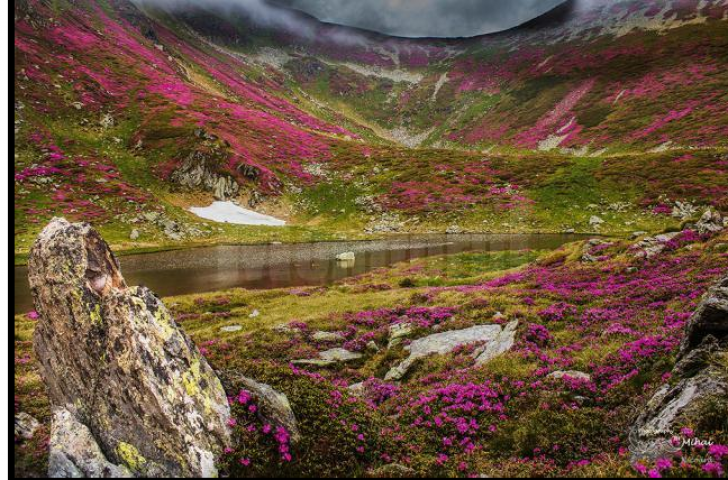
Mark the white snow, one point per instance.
(228, 212)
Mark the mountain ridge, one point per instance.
(144, 95)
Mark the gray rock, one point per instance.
(74, 452)
(330, 357)
(652, 246)
(387, 223)
(710, 318)
(346, 257)
(500, 344)
(357, 389)
(595, 221)
(330, 337)
(152, 216)
(107, 120)
(134, 235)
(200, 171)
(273, 406)
(174, 236)
(231, 328)
(569, 373)
(112, 351)
(683, 210)
(701, 376)
(446, 342)
(398, 332)
(669, 409)
(710, 222)
(454, 230)
(25, 426)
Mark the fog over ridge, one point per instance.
(402, 18)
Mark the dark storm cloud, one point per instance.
(426, 18)
(406, 18)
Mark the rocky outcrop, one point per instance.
(711, 318)
(199, 171)
(497, 341)
(652, 246)
(499, 345)
(700, 379)
(710, 222)
(119, 372)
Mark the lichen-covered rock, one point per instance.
(74, 452)
(700, 380)
(496, 338)
(113, 357)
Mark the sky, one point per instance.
(425, 18)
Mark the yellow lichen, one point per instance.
(95, 314)
(130, 456)
(191, 378)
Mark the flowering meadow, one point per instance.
(616, 323)
(611, 121)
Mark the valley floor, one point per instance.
(598, 311)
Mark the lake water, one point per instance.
(207, 269)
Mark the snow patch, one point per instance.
(228, 212)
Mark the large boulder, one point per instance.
(700, 381)
(116, 364)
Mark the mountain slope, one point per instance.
(620, 74)
(126, 115)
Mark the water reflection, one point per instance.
(277, 266)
